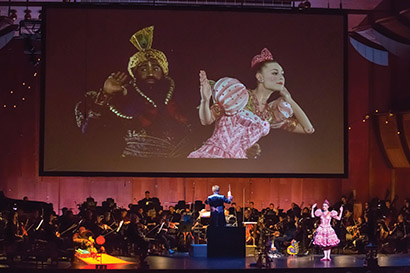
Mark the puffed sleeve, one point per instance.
(333, 213)
(230, 95)
(318, 213)
(282, 114)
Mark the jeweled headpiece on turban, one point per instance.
(263, 57)
(326, 202)
(142, 40)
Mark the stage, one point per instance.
(182, 262)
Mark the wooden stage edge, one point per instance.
(395, 263)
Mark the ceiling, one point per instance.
(346, 4)
(357, 9)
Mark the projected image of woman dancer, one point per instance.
(243, 116)
(325, 236)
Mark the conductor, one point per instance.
(216, 202)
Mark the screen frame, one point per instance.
(198, 7)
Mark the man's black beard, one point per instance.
(156, 91)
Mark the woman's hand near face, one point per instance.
(205, 115)
(304, 126)
(206, 90)
(285, 94)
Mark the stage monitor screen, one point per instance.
(150, 91)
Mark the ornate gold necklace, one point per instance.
(167, 98)
(253, 106)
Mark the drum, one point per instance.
(231, 221)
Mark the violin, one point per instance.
(384, 232)
(23, 230)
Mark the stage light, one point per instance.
(27, 15)
(13, 14)
(304, 5)
(377, 111)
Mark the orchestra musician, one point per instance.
(135, 235)
(356, 235)
(405, 210)
(33, 222)
(147, 202)
(20, 233)
(14, 235)
(50, 234)
(174, 217)
(395, 239)
(15, 230)
(254, 213)
(163, 235)
(287, 232)
(66, 223)
(109, 220)
(84, 240)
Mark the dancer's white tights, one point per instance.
(326, 253)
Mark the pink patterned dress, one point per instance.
(239, 122)
(325, 234)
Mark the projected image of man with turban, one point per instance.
(138, 107)
(243, 116)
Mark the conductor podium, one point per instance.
(226, 242)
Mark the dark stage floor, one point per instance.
(181, 262)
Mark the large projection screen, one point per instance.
(115, 107)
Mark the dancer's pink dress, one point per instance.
(239, 123)
(325, 234)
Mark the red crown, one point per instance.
(264, 56)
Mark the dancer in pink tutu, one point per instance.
(243, 116)
(325, 236)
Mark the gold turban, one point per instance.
(142, 40)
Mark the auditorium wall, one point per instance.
(369, 176)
